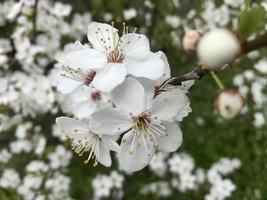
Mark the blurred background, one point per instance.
(219, 159)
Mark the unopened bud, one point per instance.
(229, 103)
(190, 40)
(217, 48)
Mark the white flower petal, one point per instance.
(110, 143)
(104, 155)
(152, 67)
(173, 140)
(67, 85)
(70, 127)
(84, 109)
(141, 155)
(110, 121)
(135, 46)
(85, 59)
(167, 104)
(77, 46)
(186, 85)
(130, 96)
(102, 35)
(149, 86)
(109, 77)
(183, 112)
(167, 70)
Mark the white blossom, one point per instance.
(110, 59)
(9, 179)
(86, 138)
(148, 122)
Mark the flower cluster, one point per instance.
(124, 94)
(252, 82)
(95, 81)
(108, 186)
(41, 171)
(186, 176)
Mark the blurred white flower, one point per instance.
(59, 158)
(61, 10)
(173, 20)
(158, 164)
(261, 66)
(30, 184)
(58, 184)
(19, 146)
(117, 179)
(181, 163)
(37, 166)
(259, 120)
(129, 14)
(160, 188)
(5, 156)
(102, 186)
(221, 190)
(15, 10)
(9, 179)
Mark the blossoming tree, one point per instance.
(119, 94)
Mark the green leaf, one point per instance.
(251, 21)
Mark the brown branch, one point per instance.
(257, 43)
(196, 74)
(199, 72)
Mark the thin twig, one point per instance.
(257, 43)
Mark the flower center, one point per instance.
(144, 130)
(115, 56)
(142, 122)
(89, 77)
(96, 96)
(88, 144)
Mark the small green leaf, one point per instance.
(251, 21)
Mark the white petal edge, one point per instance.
(101, 35)
(110, 121)
(152, 67)
(85, 59)
(173, 140)
(167, 104)
(139, 158)
(67, 85)
(104, 155)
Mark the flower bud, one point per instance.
(229, 103)
(217, 48)
(190, 40)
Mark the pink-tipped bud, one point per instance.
(229, 103)
(190, 40)
(217, 48)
